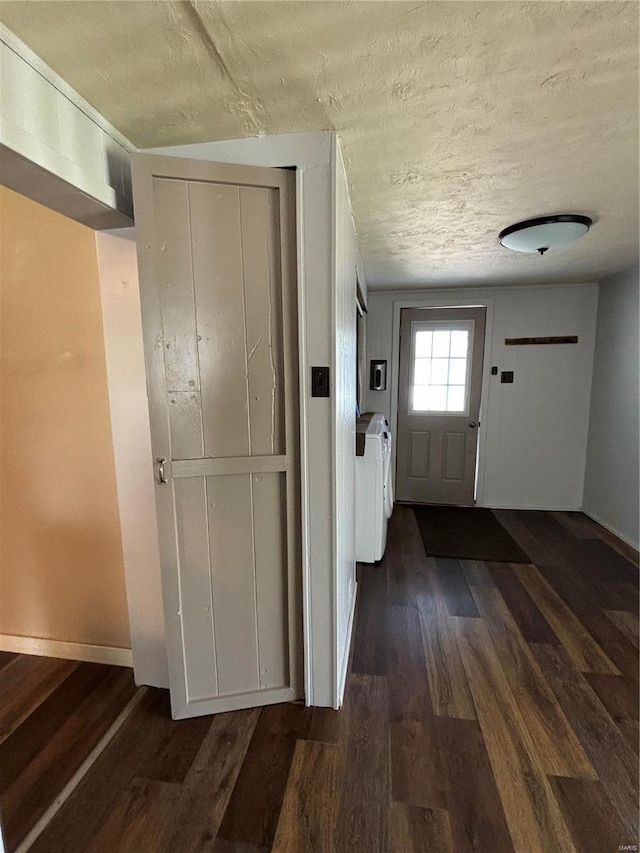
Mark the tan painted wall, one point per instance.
(61, 573)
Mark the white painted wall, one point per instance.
(118, 271)
(611, 491)
(325, 254)
(45, 121)
(533, 434)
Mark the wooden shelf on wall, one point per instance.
(558, 339)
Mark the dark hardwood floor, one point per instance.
(53, 713)
(490, 707)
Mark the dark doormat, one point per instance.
(466, 533)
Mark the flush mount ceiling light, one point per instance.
(544, 233)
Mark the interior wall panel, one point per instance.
(612, 492)
(533, 432)
(62, 572)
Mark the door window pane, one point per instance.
(438, 395)
(459, 343)
(455, 398)
(421, 398)
(441, 341)
(422, 371)
(423, 344)
(439, 375)
(429, 398)
(439, 371)
(457, 371)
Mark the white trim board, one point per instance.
(57, 149)
(469, 287)
(68, 651)
(335, 367)
(40, 66)
(608, 527)
(346, 652)
(303, 395)
(533, 508)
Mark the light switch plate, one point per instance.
(320, 382)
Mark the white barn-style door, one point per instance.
(217, 274)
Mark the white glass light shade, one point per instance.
(547, 232)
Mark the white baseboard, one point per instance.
(69, 651)
(344, 665)
(530, 508)
(611, 529)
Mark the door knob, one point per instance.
(160, 461)
(473, 424)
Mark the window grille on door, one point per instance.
(440, 367)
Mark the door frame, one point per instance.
(314, 155)
(441, 301)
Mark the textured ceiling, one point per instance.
(456, 118)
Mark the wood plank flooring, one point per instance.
(52, 715)
(490, 708)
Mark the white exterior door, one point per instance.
(441, 353)
(217, 274)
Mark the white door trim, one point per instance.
(311, 154)
(305, 545)
(441, 301)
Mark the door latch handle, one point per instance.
(160, 461)
(473, 424)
